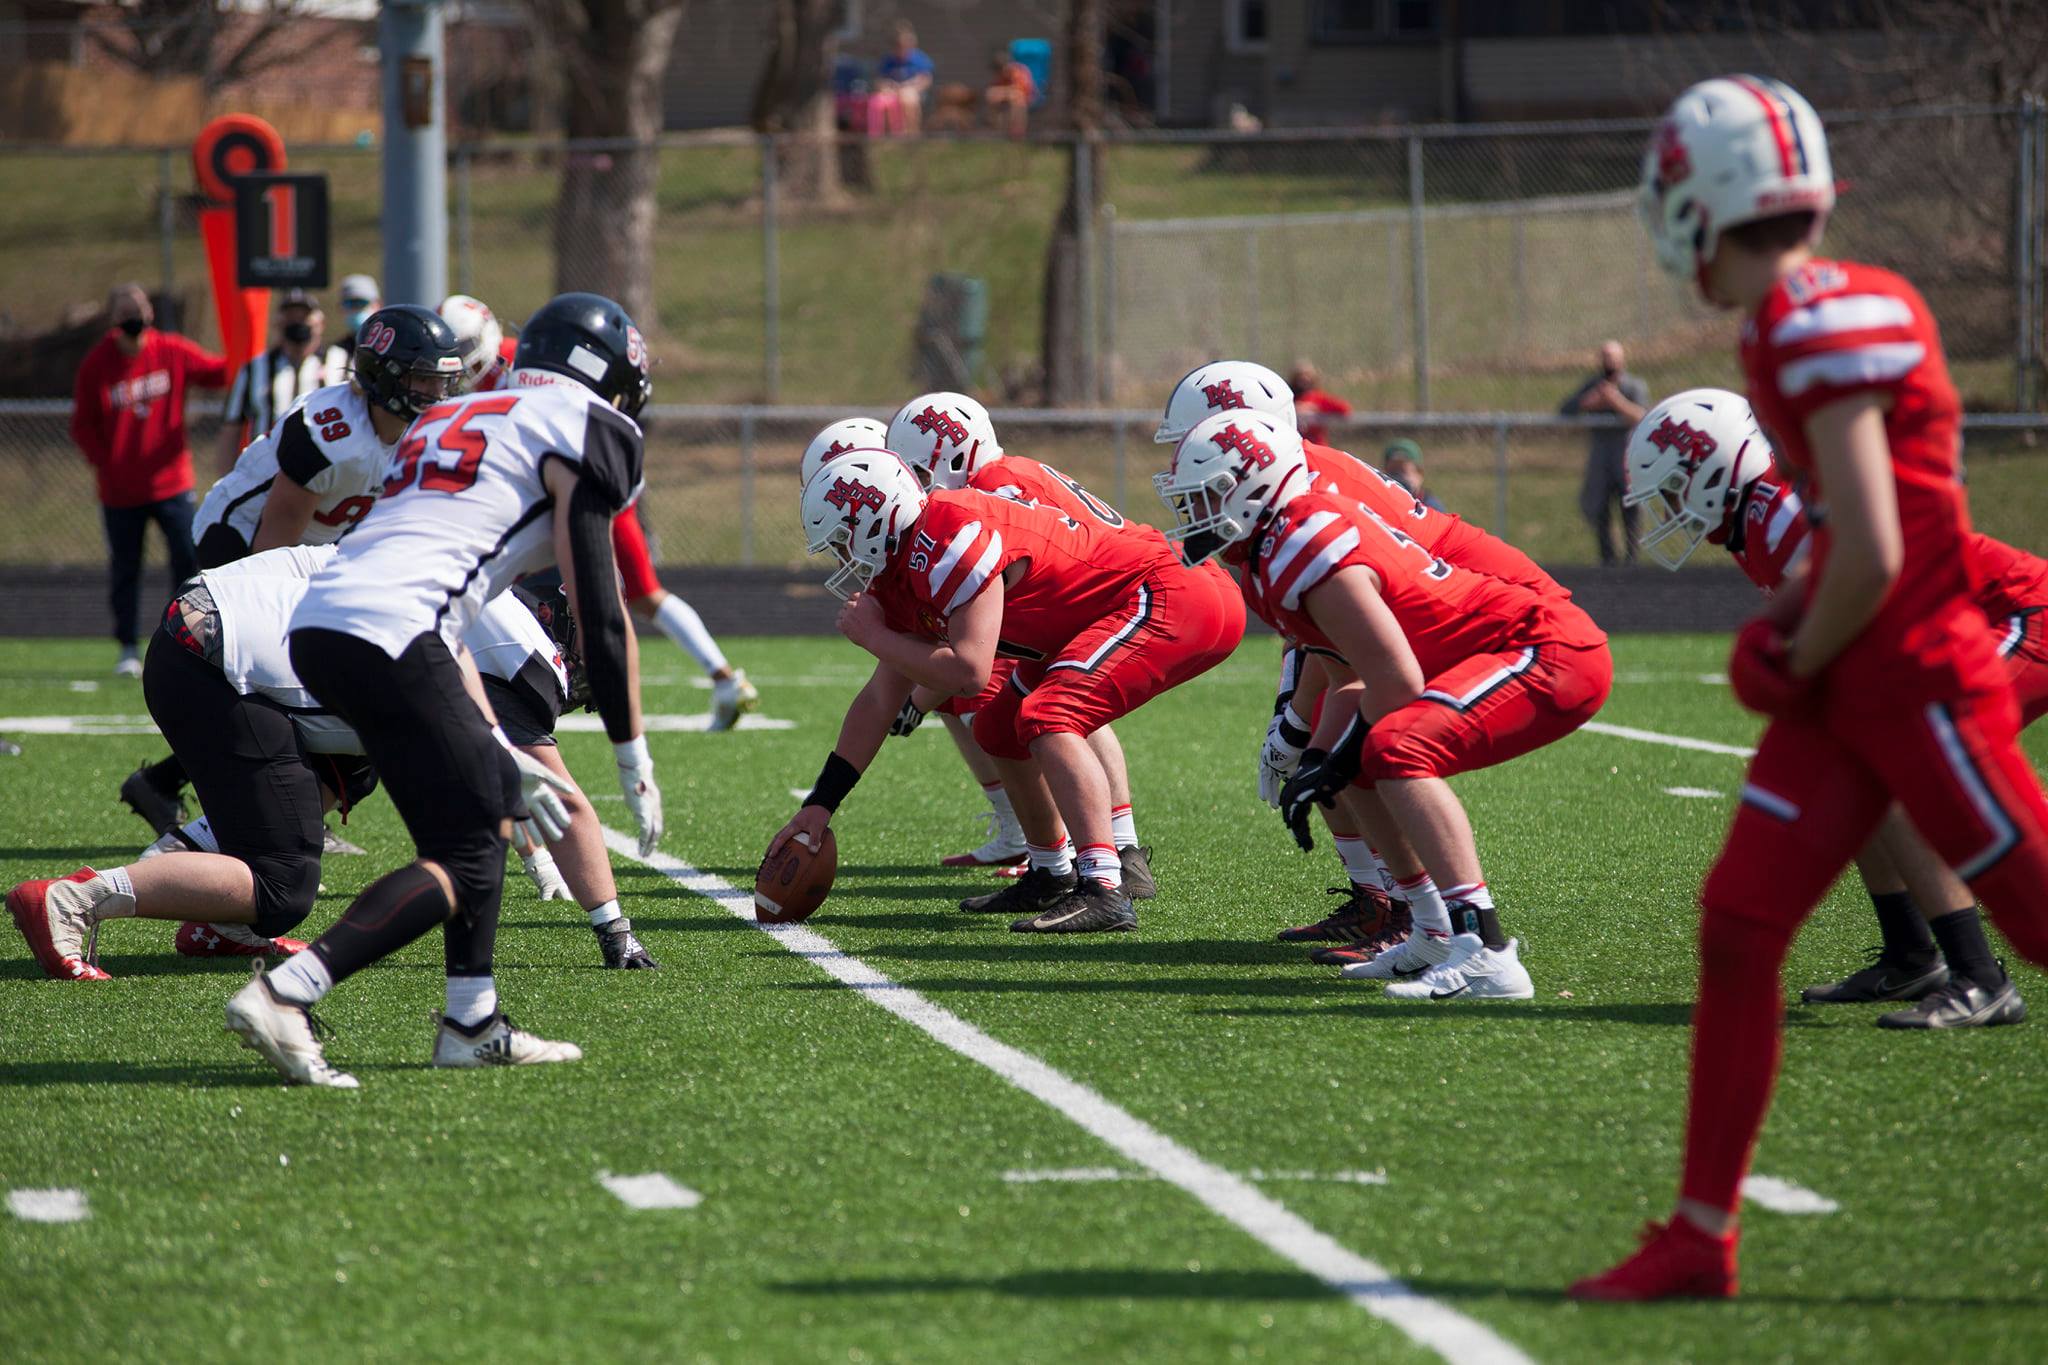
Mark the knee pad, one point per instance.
(286, 884)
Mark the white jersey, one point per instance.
(507, 637)
(327, 445)
(256, 598)
(465, 510)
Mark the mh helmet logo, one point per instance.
(1674, 163)
(849, 496)
(1247, 444)
(1221, 395)
(1692, 444)
(941, 426)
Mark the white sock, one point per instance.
(605, 914)
(1426, 905)
(1123, 826)
(1058, 860)
(302, 981)
(199, 833)
(680, 622)
(1098, 862)
(119, 902)
(999, 801)
(1358, 860)
(1386, 874)
(471, 999)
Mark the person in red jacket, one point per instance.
(128, 418)
(1313, 407)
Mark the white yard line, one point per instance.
(1782, 1196)
(1705, 746)
(48, 1206)
(585, 724)
(1099, 1174)
(1366, 1283)
(650, 1191)
(577, 724)
(1696, 793)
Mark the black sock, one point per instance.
(1483, 920)
(167, 775)
(392, 911)
(1961, 935)
(470, 943)
(1906, 940)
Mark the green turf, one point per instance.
(854, 1207)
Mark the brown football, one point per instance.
(792, 885)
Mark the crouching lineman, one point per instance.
(1461, 671)
(482, 489)
(1103, 620)
(1702, 469)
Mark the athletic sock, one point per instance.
(199, 834)
(471, 1000)
(680, 622)
(1098, 862)
(1386, 874)
(1907, 941)
(605, 914)
(392, 911)
(1475, 913)
(119, 902)
(1961, 936)
(1735, 1045)
(1359, 864)
(1058, 860)
(1426, 905)
(1123, 827)
(302, 980)
(999, 802)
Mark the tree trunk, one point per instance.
(1064, 360)
(793, 100)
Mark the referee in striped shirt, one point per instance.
(265, 388)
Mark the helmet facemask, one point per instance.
(1204, 526)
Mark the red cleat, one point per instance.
(982, 857)
(1677, 1260)
(231, 940)
(56, 925)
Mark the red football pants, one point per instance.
(1815, 792)
(1488, 709)
(998, 682)
(2023, 645)
(629, 547)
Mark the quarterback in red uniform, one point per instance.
(1882, 680)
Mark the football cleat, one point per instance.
(731, 698)
(1364, 911)
(1677, 1260)
(129, 665)
(1005, 846)
(1412, 956)
(1137, 871)
(622, 951)
(1031, 894)
(330, 842)
(162, 811)
(1881, 980)
(1961, 1003)
(1092, 907)
(56, 918)
(287, 1035)
(170, 841)
(1472, 972)
(231, 940)
(494, 1042)
(1390, 931)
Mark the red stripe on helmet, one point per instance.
(1781, 131)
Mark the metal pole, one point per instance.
(1418, 271)
(465, 242)
(410, 41)
(1123, 471)
(771, 276)
(747, 486)
(1162, 60)
(2022, 187)
(1251, 290)
(1519, 235)
(166, 222)
(1109, 302)
(1084, 245)
(1500, 480)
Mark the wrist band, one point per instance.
(835, 780)
(1290, 732)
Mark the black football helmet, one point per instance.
(590, 339)
(399, 347)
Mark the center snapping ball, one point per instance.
(793, 883)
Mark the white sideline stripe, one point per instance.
(1782, 1196)
(1089, 1174)
(651, 1191)
(583, 724)
(48, 1206)
(1699, 793)
(1371, 1286)
(578, 724)
(1705, 746)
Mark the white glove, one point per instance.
(1280, 755)
(547, 878)
(643, 798)
(541, 788)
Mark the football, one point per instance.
(792, 885)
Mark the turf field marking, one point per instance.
(697, 720)
(576, 724)
(1705, 746)
(650, 1191)
(1090, 1174)
(1368, 1284)
(1700, 793)
(1782, 1196)
(48, 1206)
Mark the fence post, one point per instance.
(2023, 223)
(465, 223)
(1518, 232)
(1500, 479)
(1084, 244)
(166, 221)
(1251, 290)
(747, 486)
(1418, 269)
(1107, 301)
(1123, 472)
(771, 279)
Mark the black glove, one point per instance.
(1316, 782)
(907, 720)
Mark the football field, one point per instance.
(901, 1132)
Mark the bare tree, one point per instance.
(793, 97)
(218, 41)
(614, 54)
(1066, 373)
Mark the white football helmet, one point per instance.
(848, 433)
(857, 506)
(1689, 460)
(944, 438)
(477, 329)
(1224, 386)
(1731, 150)
(1228, 474)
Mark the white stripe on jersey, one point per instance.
(962, 541)
(977, 575)
(1317, 569)
(1881, 363)
(1296, 542)
(1844, 313)
(1781, 521)
(506, 635)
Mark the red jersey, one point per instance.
(1028, 481)
(2008, 580)
(1830, 330)
(1313, 403)
(1076, 571)
(1448, 614)
(128, 414)
(1773, 542)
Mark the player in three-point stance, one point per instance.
(1881, 681)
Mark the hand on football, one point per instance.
(542, 789)
(860, 620)
(807, 824)
(1759, 672)
(643, 797)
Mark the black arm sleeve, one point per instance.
(598, 608)
(298, 459)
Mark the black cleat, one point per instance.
(1880, 981)
(162, 811)
(1137, 861)
(1377, 935)
(1962, 1003)
(622, 951)
(1037, 890)
(1360, 917)
(1092, 907)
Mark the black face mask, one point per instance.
(132, 326)
(298, 333)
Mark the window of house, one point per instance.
(1244, 25)
(1367, 21)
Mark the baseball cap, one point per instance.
(359, 289)
(1401, 445)
(296, 298)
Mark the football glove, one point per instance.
(1316, 782)
(547, 878)
(908, 719)
(540, 791)
(643, 798)
(1759, 674)
(1281, 754)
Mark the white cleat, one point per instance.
(1005, 845)
(731, 698)
(286, 1034)
(496, 1043)
(1475, 973)
(129, 665)
(1411, 957)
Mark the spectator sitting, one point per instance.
(908, 72)
(128, 418)
(1007, 100)
(1612, 390)
(1402, 460)
(1312, 406)
(265, 388)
